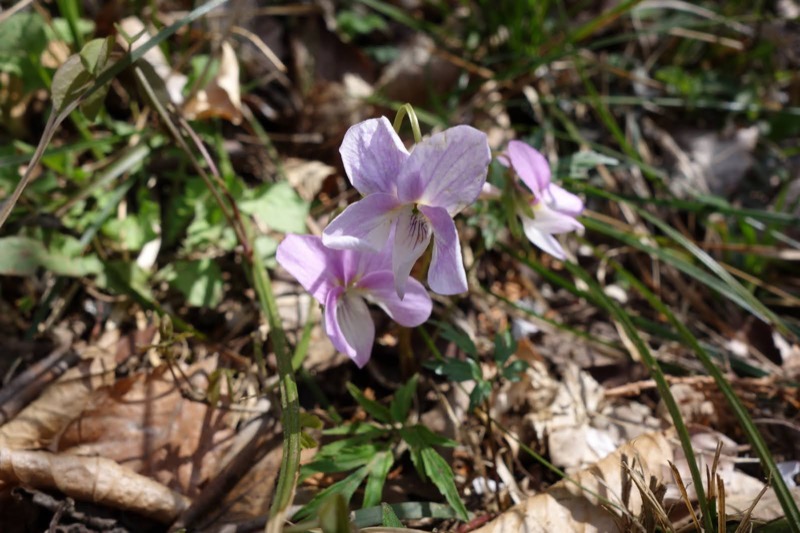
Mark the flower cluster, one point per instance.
(409, 200)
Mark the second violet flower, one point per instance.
(554, 209)
(415, 194)
(343, 281)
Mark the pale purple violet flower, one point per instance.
(415, 194)
(554, 208)
(342, 280)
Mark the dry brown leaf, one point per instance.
(581, 426)
(93, 479)
(145, 423)
(222, 96)
(41, 421)
(767, 509)
(306, 177)
(174, 81)
(566, 507)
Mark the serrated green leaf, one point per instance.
(278, 206)
(401, 403)
(388, 516)
(441, 474)
(376, 410)
(379, 468)
(346, 487)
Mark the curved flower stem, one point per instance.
(408, 109)
(290, 405)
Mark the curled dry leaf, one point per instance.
(581, 426)
(568, 507)
(94, 479)
(222, 96)
(147, 424)
(41, 421)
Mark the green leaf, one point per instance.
(378, 471)
(92, 105)
(22, 256)
(199, 281)
(265, 246)
(504, 347)
(441, 474)
(94, 55)
(582, 162)
(419, 436)
(479, 394)
(58, 29)
(356, 428)
(307, 442)
(377, 411)
(460, 338)
(126, 277)
(308, 420)
(374, 516)
(22, 42)
(346, 487)
(456, 369)
(334, 516)
(69, 82)
(514, 369)
(278, 206)
(401, 403)
(388, 517)
(331, 460)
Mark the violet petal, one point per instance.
(446, 170)
(373, 154)
(446, 273)
(411, 311)
(315, 266)
(364, 225)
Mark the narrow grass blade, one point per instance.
(624, 320)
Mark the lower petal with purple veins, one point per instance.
(411, 237)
